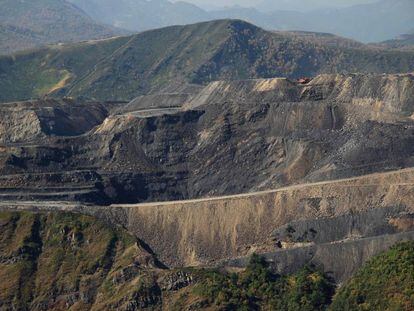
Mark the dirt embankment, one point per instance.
(207, 231)
(33, 121)
(201, 231)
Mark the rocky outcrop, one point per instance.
(231, 137)
(57, 261)
(34, 121)
(340, 259)
(176, 280)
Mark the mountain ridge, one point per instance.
(173, 58)
(372, 22)
(29, 24)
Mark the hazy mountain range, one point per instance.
(27, 24)
(405, 41)
(307, 5)
(141, 15)
(269, 5)
(371, 22)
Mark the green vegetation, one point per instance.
(384, 283)
(33, 74)
(13, 38)
(58, 260)
(257, 288)
(173, 57)
(64, 261)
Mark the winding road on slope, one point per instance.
(68, 205)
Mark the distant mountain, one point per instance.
(325, 39)
(141, 15)
(174, 58)
(370, 22)
(405, 41)
(306, 5)
(13, 38)
(27, 24)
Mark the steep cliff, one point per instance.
(66, 262)
(337, 225)
(230, 137)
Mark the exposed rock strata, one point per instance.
(231, 137)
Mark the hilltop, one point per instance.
(29, 24)
(172, 59)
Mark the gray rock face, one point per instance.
(341, 259)
(231, 137)
(35, 121)
(337, 245)
(176, 280)
(349, 226)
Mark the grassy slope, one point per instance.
(63, 261)
(59, 260)
(152, 60)
(385, 283)
(26, 74)
(172, 57)
(27, 24)
(14, 38)
(256, 288)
